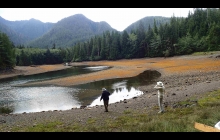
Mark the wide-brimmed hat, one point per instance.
(159, 84)
(103, 89)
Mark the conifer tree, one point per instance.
(7, 53)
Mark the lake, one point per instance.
(49, 98)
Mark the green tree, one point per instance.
(25, 59)
(132, 49)
(124, 43)
(214, 37)
(82, 52)
(7, 53)
(185, 45)
(141, 44)
(155, 27)
(103, 52)
(115, 51)
(148, 38)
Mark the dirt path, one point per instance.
(183, 76)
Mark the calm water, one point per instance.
(37, 99)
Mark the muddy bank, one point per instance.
(31, 70)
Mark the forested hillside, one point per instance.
(21, 32)
(69, 31)
(31, 28)
(148, 21)
(15, 37)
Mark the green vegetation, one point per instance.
(37, 56)
(7, 53)
(5, 110)
(205, 110)
(204, 53)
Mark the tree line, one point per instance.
(199, 32)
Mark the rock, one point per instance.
(2, 121)
(82, 107)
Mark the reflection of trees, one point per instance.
(143, 78)
(125, 87)
(116, 90)
(119, 89)
(129, 88)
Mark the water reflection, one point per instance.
(118, 95)
(75, 70)
(96, 68)
(37, 99)
(121, 88)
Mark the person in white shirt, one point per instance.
(161, 91)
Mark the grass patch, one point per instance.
(204, 53)
(53, 126)
(5, 110)
(211, 99)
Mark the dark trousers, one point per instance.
(106, 104)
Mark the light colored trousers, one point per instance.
(160, 103)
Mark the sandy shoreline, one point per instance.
(128, 68)
(183, 76)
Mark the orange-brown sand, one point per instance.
(128, 68)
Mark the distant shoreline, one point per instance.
(120, 69)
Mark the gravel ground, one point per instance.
(178, 87)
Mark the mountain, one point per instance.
(21, 32)
(14, 36)
(69, 31)
(66, 32)
(149, 20)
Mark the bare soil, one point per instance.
(184, 77)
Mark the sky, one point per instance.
(117, 18)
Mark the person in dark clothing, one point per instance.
(105, 97)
